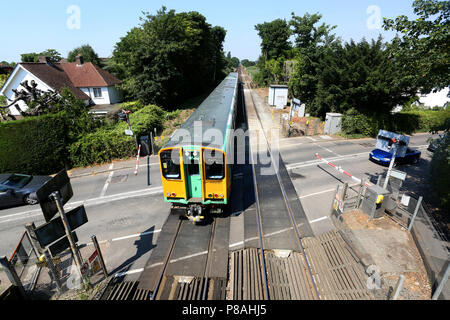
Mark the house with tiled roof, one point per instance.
(86, 81)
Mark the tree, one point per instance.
(54, 55)
(30, 57)
(424, 45)
(359, 76)
(170, 57)
(274, 38)
(232, 62)
(247, 63)
(307, 35)
(88, 53)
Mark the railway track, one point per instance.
(280, 260)
(269, 262)
(172, 278)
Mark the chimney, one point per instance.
(79, 60)
(43, 59)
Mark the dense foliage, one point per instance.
(54, 56)
(247, 63)
(275, 38)
(424, 46)
(109, 143)
(409, 122)
(170, 57)
(337, 78)
(88, 53)
(35, 145)
(440, 168)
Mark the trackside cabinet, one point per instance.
(374, 201)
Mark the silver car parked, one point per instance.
(18, 189)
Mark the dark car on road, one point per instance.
(18, 189)
(384, 158)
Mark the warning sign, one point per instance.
(94, 262)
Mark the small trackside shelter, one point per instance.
(385, 142)
(333, 123)
(278, 96)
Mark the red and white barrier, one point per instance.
(341, 170)
(137, 161)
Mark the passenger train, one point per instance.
(196, 176)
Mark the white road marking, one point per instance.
(318, 220)
(237, 244)
(328, 150)
(189, 257)
(312, 139)
(136, 235)
(317, 193)
(108, 181)
(121, 274)
(87, 203)
(326, 137)
(315, 162)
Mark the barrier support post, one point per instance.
(12, 276)
(100, 255)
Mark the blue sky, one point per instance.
(33, 26)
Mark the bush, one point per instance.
(101, 146)
(408, 122)
(35, 145)
(107, 144)
(439, 171)
(132, 106)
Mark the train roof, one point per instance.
(213, 113)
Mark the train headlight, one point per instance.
(168, 194)
(174, 195)
(222, 196)
(210, 196)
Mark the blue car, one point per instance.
(384, 158)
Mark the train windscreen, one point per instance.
(214, 165)
(170, 169)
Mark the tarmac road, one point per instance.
(120, 205)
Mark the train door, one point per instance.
(193, 175)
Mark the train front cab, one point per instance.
(195, 180)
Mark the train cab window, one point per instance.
(214, 165)
(170, 169)
(192, 161)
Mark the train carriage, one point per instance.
(195, 163)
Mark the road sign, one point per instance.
(54, 230)
(62, 245)
(399, 175)
(60, 183)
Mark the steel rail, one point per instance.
(283, 191)
(208, 259)
(166, 261)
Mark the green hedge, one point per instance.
(35, 145)
(440, 170)
(107, 144)
(404, 122)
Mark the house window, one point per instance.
(97, 92)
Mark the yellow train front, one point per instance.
(196, 176)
